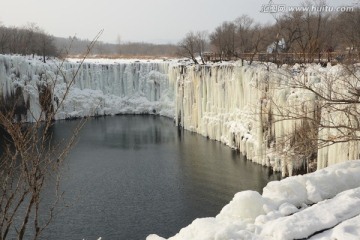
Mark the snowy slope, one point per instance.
(321, 205)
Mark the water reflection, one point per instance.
(135, 133)
(130, 176)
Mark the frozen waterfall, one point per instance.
(241, 106)
(98, 89)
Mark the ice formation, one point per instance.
(97, 89)
(265, 112)
(321, 205)
(245, 107)
(250, 108)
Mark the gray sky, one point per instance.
(158, 21)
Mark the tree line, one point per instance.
(312, 35)
(32, 40)
(74, 46)
(27, 40)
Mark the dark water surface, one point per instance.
(130, 176)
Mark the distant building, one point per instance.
(280, 46)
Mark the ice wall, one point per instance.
(220, 102)
(96, 89)
(231, 103)
(262, 111)
(339, 126)
(120, 88)
(254, 109)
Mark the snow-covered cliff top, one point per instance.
(118, 61)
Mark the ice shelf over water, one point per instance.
(241, 106)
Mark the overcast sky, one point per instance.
(157, 21)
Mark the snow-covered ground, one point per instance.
(321, 205)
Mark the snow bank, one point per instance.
(348, 229)
(294, 208)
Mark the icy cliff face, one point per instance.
(119, 88)
(96, 89)
(220, 102)
(241, 106)
(265, 112)
(254, 109)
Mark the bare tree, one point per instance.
(244, 25)
(46, 46)
(259, 39)
(29, 160)
(313, 112)
(224, 40)
(118, 42)
(347, 32)
(193, 45)
(287, 28)
(14, 40)
(29, 39)
(32, 38)
(310, 33)
(4, 39)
